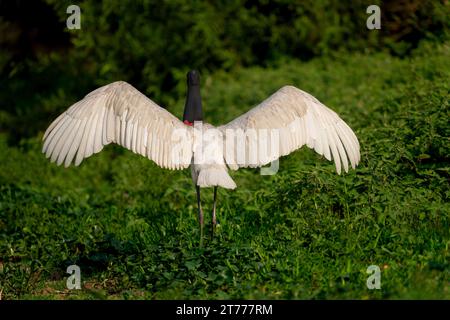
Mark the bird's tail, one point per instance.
(215, 177)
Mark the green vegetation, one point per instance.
(304, 233)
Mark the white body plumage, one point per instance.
(208, 166)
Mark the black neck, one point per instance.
(193, 107)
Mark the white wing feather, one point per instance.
(118, 113)
(299, 119)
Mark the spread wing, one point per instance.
(118, 113)
(284, 122)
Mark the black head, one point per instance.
(193, 107)
(193, 78)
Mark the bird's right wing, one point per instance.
(119, 113)
(283, 123)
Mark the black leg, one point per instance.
(200, 214)
(214, 221)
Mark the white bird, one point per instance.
(121, 114)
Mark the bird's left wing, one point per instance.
(119, 113)
(284, 122)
